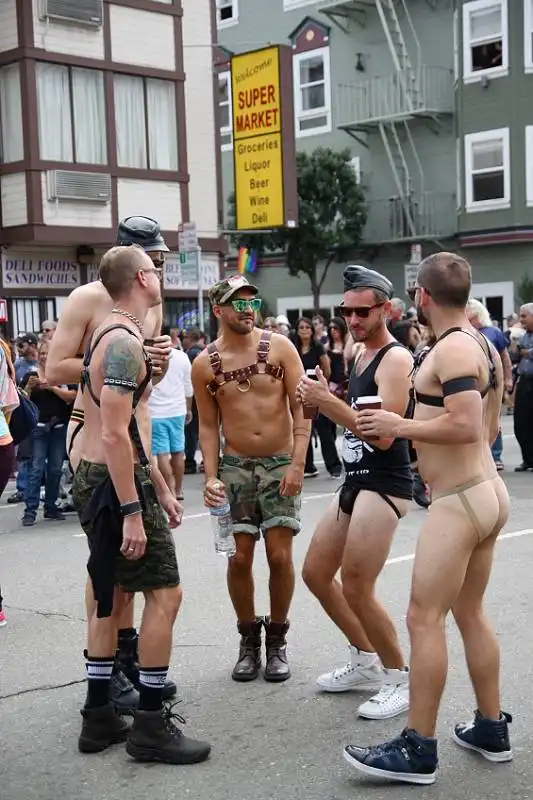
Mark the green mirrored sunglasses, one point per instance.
(240, 306)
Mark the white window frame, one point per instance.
(290, 5)
(227, 23)
(299, 112)
(469, 75)
(500, 202)
(459, 184)
(227, 130)
(528, 36)
(529, 166)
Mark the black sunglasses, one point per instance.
(363, 312)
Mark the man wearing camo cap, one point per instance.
(242, 382)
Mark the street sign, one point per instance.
(188, 237)
(410, 274)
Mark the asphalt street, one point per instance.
(279, 742)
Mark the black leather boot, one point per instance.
(156, 737)
(128, 662)
(249, 661)
(277, 667)
(102, 727)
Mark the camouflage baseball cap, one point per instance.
(222, 291)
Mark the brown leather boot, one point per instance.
(277, 667)
(156, 737)
(101, 728)
(249, 661)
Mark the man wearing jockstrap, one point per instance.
(356, 532)
(457, 391)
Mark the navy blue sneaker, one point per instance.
(409, 758)
(486, 736)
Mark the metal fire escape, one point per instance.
(408, 76)
(390, 102)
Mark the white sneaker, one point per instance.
(391, 700)
(362, 673)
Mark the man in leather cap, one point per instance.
(82, 313)
(355, 534)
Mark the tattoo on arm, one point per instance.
(122, 363)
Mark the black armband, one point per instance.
(458, 385)
(123, 383)
(129, 509)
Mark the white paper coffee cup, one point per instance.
(370, 401)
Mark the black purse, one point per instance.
(24, 418)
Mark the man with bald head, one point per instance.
(457, 390)
(523, 404)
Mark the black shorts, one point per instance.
(349, 491)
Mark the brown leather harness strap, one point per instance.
(243, 375)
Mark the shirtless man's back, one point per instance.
(246, 382)
(458, 390)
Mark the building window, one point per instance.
(145, 116)
(312, 92)
(224, 106)
(11, 141)
(529, 165)
(485, 45)
(528, 35)
(71, 108)
(227, 13)
(487, 170)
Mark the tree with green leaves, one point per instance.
(332, 218)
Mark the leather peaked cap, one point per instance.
(357, 277)
(142, 231)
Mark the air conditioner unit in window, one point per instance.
(80, 12)
(90, 187)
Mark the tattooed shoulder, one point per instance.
(122, 362)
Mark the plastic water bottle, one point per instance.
(223, 530)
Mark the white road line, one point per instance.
(510, 535)
(206, 513)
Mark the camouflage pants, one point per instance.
(252, 486)
(158, 568)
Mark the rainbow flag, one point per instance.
(247, 260)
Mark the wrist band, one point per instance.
(129, 509)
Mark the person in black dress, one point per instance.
(313, 354)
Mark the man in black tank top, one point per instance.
(356, 532)
(457, 391)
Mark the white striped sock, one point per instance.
(153, 678)
(99, 670)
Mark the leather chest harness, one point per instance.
(243, 375)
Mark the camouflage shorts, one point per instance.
(158, 568)
(252, 486)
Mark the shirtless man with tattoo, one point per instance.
(246, 382)
(120, 504)
(82, 313)
(458, 391)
